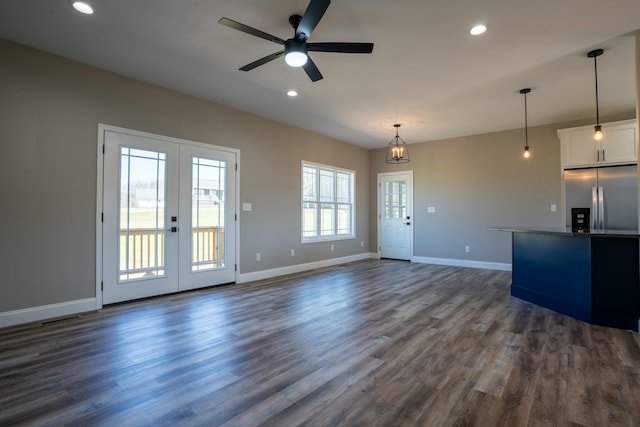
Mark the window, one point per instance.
(328, 198)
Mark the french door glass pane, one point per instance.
(207, 214)
(142, 214)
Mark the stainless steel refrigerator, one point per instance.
(611, 194)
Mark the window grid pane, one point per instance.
(309, 183)
(327, 186)
(395, 200)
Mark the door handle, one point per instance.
(173, 229)
(594, 207)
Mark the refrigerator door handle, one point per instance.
(594, 208)
(601, 208)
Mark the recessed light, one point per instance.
(292, 93)
(478, 29)
(82, 7)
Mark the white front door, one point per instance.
(395, 215)
(168, 215)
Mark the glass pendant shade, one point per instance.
(597, 133)
(397, 151)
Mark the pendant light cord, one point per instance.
(525, 91)
(595, 69)
(526, 124)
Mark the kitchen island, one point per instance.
(592, 276)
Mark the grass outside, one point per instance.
(146, 218)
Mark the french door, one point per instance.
(395, 215)
(168, 215)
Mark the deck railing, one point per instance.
(145, 253)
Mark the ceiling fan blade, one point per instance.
(311, 17)
(250, 30)
(262, 61)
(311, 70)
(341, 47)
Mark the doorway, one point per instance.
(395, 215)
(168, 220)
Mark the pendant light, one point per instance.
(397, 150)
(597, 134)
(526, 152)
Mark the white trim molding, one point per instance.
(298, 268)
(50, 311)
(463, 263)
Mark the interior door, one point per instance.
(395, 215)
(168, 216)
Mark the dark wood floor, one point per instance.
(374, 343)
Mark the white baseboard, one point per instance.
(463, 263)
(298, 268)
(51, 311)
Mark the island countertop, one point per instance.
(566, 231)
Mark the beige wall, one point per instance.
(49, 114)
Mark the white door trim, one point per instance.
(379, 207)
(102, 128)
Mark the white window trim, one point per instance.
(352, 235)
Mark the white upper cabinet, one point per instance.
(618, 146)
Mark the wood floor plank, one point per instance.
(376, 343)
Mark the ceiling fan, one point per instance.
(296, 48)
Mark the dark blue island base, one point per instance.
(594, 277)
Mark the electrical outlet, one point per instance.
(362, 243)
(467, 249)
(293, 252)
(258, 256)
(332, 247)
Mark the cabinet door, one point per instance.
(579, 148)
(619, 145)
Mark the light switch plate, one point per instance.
(431, 209)
(246, 207)
(554, 207)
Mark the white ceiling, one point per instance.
(426, 72)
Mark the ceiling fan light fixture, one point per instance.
(295, 59)
(295, 53)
